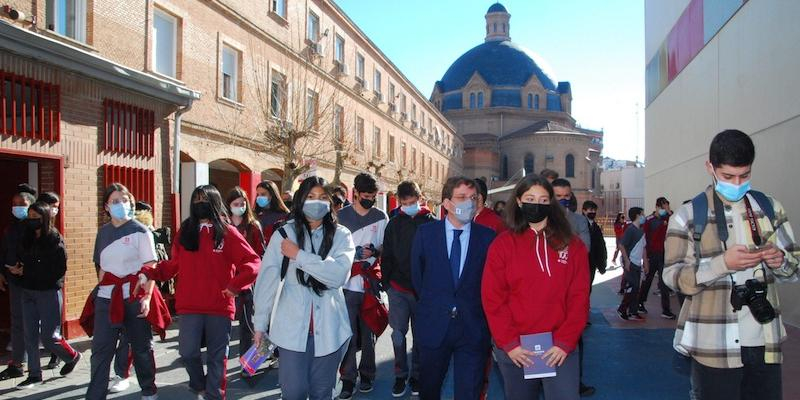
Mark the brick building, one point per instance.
(167, 95)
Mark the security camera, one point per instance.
(16, 15)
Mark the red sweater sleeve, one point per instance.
(244, 259)
(577, 312)
(495, 293)
(166, 269)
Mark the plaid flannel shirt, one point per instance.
(708, 328)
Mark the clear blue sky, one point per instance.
(597, 45)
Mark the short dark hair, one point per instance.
(635, 212)
(365, 183)
(26, 188)
(589, 205)
(732, 147)
(49, 197)
(548, 173)
(561, 182)
(482, 189)
(407, 189)
(661, 201)
(143, 206)
(454, 182)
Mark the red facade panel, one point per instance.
(140, 182)
(28, 108)
(686, 39)
(127, 129)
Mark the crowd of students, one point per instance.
(307, 279)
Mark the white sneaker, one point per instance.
(119, 384)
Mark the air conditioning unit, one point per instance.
(379, 97)
(403, 116)
(392, 107)
(341, 68)
(423, 131)
(317, 48)
(414, 124)
(361, 84)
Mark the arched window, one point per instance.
(471, 100)
(536, 102)
(480, 99)
(504, 28)
(528, 164)
(530, 101)
(495, 27)
(504, 168)
(570, 166)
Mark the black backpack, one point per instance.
(700, 211)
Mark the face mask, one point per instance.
(238, 211)
(591, 215)
(465, 211)
(367, 203)
(642, 220)
(202, 210)
(33, 224)
(316, 210)
(662, 213)
(564, 203)
(121, 211)
(535, 213)
(20, 212)
(410, 210)
(262, 201)
(53, 211)
(730, 191)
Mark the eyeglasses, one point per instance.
(119, 201)
(459, 199)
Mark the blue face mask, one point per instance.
(564, 203)
(730, 191)
(262, 201)
(20, 212)
(642, 220)
(316, 210)
(465, 211)
(662, 213)
(121, 211)
(411, 210)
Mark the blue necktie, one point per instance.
(455, 255)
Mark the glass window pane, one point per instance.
(164, 43)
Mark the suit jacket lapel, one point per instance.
(467, 264)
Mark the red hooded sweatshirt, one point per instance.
(525, 293)
(205, 273)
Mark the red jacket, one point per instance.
(523, 296)
(489, 218)
(205, 273)
(655, 233)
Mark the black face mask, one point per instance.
(202, 210)
(33, 224)
(591, 215)
(366, 203)
(535, 212)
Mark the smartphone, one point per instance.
(759, 248)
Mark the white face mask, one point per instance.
(53, 211)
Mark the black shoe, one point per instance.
(365, 386)
(29, 383)
(399, 388)
(11, 372)
(414, 386)
(69, 366)
(347, 390)
(53, 363)
(622, 314)
(586, 391)
(642, 309)
(667, 315)
(636, 317)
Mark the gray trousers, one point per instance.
(401, 312)
(17, 323)
(42, 317)
(563, 386)
(217, 331)
(366, 368)
(123, 357)
(104, 344)
(303, 376)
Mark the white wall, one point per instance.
(745, 78)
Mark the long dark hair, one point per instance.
(301, 227)
(190, 228)
(558, 230)
(276, 203)
(48, 234)
(620, 218)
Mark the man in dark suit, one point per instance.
(447, 259)
(598, 253)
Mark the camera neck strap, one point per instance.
(751, 221)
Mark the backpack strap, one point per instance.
(285, 263)
(700, 218)
(764, 204)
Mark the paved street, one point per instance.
(624, 360)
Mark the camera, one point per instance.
(754, 295)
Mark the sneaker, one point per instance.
(29, 383)
(622, 315)
(586, 391)
(667, 315)
(11, 372)
(119, 384)
(642, 309)
(399, 388)
(69, 366)
(365, 386)
(414, 386)
(151, 397)
(53, 363)
(347, 390)
(636, 317)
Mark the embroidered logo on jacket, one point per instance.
(218, 249)
(563, 255)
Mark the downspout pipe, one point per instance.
(176, 164)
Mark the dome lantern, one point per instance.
(497, 23)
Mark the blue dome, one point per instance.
(496, 7)
(500, 63)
